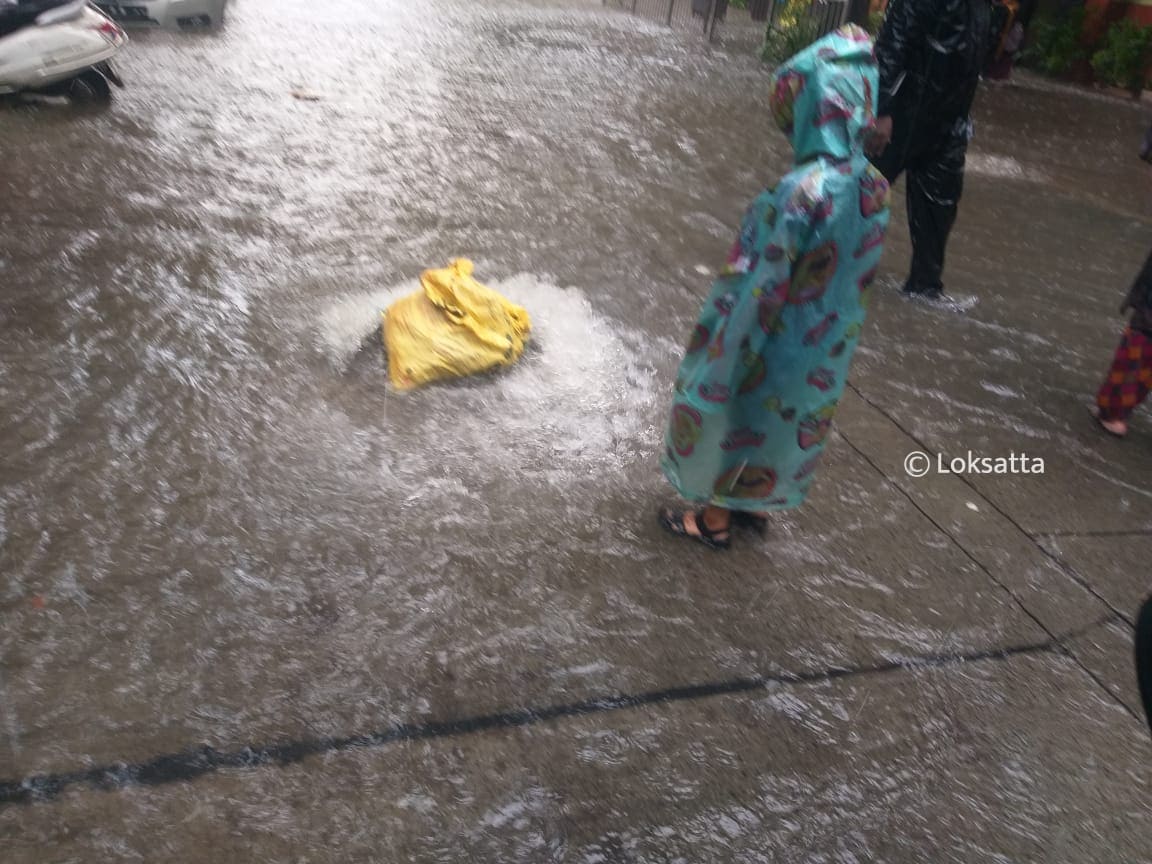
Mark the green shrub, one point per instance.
(1054, 44)
(794, 29)
(1123, 58)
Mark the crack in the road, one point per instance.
(1064, 568)
(193, 763)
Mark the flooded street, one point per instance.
(222, 533)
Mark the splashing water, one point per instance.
(583, 393)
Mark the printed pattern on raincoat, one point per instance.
(770, 353)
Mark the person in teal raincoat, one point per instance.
(769, 356)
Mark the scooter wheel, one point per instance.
(91, 88)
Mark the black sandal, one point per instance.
(673, 522)
(752, 521)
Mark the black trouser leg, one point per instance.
(935, 183)
(1144, 657)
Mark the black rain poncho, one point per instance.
(931, 53)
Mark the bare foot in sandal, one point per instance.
(711, 526)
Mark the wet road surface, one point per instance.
(218, 527)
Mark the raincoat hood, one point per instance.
(824, 97)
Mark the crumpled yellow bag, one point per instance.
(453, 327)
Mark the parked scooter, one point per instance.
(58, 48)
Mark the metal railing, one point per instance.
(826, 15)
(706, 14)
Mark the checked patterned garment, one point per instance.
(1129, 378)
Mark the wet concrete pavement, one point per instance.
(450, 615)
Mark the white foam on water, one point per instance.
(1001, 390)
(586, 392)
(958, 303)
(346, 323)
(580, 357)
(1001, 166)
(583, 394)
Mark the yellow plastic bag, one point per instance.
(453, 327)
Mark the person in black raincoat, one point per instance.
(931, 53)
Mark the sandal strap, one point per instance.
(707, 532)
(673, 520)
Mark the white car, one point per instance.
(170, 14)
